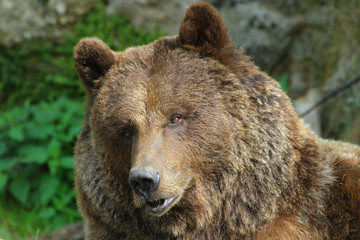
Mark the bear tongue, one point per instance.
(156, 204)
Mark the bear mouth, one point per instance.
(159, 206)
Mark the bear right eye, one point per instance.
(127, 134)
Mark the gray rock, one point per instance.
(263, 31)
(306, 102)
(147, 14)
(21, 20)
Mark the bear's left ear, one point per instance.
(203, 30)
(93, 58)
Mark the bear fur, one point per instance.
(229, 157)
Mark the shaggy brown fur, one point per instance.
(229, 157)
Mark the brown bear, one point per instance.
(185, 138)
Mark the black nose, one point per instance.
(144, 181)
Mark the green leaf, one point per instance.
(33, 154)
(54, 148)
(59, 103)
(66, 119)
(283, 80)
(16, 133)
(3, 181)
(2, 122)
(62, 80)
(35, 131)
(50, 130)
(48, 189)
(75, 129)
(20, 190)
(53, 166)
(60, 220)
(43, 116)
(67, 162)
(59, 203)
(18, 114)
(74, 107)
(46, 213)
(7, 164)
(3, 148)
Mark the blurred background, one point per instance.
(312, 47)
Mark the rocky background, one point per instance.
(311, 46)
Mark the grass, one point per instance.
(18, 222)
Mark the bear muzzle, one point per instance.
(144, 181)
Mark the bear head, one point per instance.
(183, 131)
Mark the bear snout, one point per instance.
(144, 181)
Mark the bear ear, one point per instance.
(203, 29)
(93, 58)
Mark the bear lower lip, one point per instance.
(160, 205)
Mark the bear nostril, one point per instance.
(144, 181)
(142, 185)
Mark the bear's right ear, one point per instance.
(93, 58)
(203, 30)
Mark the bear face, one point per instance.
(142, 118)
(169, 128)
(186, 138)
(147, 117)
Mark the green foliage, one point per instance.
(283, 81)
(20, 223)
(36, 163)
(40, 115)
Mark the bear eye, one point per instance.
(176, 119)
(127, 134)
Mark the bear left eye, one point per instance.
(176, 119)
